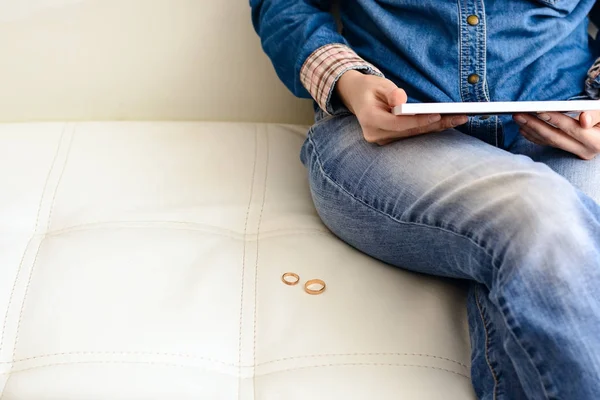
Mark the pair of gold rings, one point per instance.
(312, 286)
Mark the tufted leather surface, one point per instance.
(143, 260)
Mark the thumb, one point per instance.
(589, 119)
(396, 96)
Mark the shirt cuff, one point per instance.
(325, 66)
(592, 83)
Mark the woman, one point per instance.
(510, 203)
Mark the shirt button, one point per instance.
(473, 79)
(472, 20)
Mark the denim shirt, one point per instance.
(441, 50)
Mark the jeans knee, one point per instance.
(541, 202)
(532, 197)
(549, 235)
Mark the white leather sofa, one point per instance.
(151, 198)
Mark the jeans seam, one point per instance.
(487, 344)
(442, 229)
(504, 311)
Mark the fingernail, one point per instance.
(588, 120)
(544, 117)
(434, 118)
(458, 121)
(520, 119)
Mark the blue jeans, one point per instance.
(522, 225)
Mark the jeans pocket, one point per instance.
(322, 117)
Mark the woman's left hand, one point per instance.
(580, 137)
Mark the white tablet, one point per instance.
(499, 107)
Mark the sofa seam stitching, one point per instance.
(33, 265)
(37, 220)
(25, 251)
(265, 374)
(193, 356)
(260, 215)
(194, 228)
(239, 389)
(34, 262)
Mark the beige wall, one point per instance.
(137, 59)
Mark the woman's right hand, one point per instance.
(372, 98)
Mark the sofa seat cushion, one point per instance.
(144, 260)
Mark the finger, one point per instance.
(384, 137)
(554, 137)
(587, 137)
(387, 121)
(531, 136)
(387, 141)
(559, 121)
(395, 96)
(589, 119)
(531, 139)
(448, 122)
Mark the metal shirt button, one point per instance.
(472, 20)
(473, 79)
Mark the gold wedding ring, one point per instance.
(314, 282)
(290, 278)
